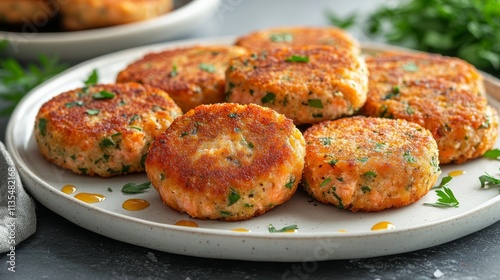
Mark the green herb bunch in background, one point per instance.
(16, 79)
(469, 29)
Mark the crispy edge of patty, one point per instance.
(191, 75)
(227, 161)
(331, 84)
(103, 137)
(352, 163)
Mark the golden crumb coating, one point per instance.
(308, 84)
(26, 11)
(369, 164)
(443, 94)
(191, 75)
(227, 161)
(86, 14)
(103, 130)
(279, 37)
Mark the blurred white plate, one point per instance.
(81, 45)
(324, 232)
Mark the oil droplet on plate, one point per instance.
(68, 189)
(90, 197)
(383, 225)
(186, 223)
(341, 230)
(240, 230)
(135, 204)
(455, 173)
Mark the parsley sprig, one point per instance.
(133, 188)
(289, 228)
(492, 154)
(488, 180)
(16, 79)
(445, 194)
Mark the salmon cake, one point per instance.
(308, 84)
(443, 94)
(227, 161)
(191, 75)
(87, 14)
(26, 11)
(369, 164)
(103, 130)
(298, 36)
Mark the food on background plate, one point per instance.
(25, 11)
(227, 161)
(86, 14)
(443, 94)
(191, 75)
(308, 84)
(369, 164)
(103, 130)
(295, 36)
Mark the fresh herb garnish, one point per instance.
(297, 58)
(103, 95)
(268, 98)
(93, 112)
(233, 197)
(315, 103)
(133, 188)
(16, 80)
(92, 79)
(444, 182)
(338, 21)
(488, 180)
(78, 103)
(492, 154)
(210, 68)
(446, 199)
(290, 228)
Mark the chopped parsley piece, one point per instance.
(370, 174)
(232, 115)
(435, 164)
(325, 140)
(281, 38)
(408, 157)
(297, 58)
(106, 143)
(365, 189)
(326, 181)
(392, 94)
(333, 162)
(103, 95)
(290, 183)
(446, 199)
(290, 228)
(225, 213)
(92, 79)
(444, 182)
(341, 204)
(210, 68)
(233, 197)
(42, 126)
(134, 118)
(135, 127)
(174, 71)
(316, 103)
(143, 160)
(268, 98)
(78, 103)
(250, 145)
(133, 188)
(488, 180)
(410, 67)
(93, 112)
(125, 168)
(83, 170)
(110, 190)
(492, 154)
(317, 115)
(410, 110)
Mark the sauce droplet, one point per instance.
(342, 230)
(90, 197)
(240, 230)
(455, 173)
(135, 204)
(186, 223)
(383, 225)
(68, 189)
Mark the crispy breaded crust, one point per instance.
(192, 76)
(86, 14)
(298, 36)
(369, 164)
(80, 131)
(443, 94)
(227, 161)
(331, 84)
(24, 11)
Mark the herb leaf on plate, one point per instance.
(133, 188)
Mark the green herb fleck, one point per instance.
(315, 103)
(174, 71)
(92, 79)
(281, 38)
(78, 103)
(233, 197)
(297, 58)
(370, 174)
(365, 189)
(325, 140)
(103, 95)
(210, 68)
(133, 188)
(83, 170)
(325, 182)
(92, 112)
(392, 94)
(290, 228)
(225, 213)
(333, 162)
(143, 160)
(290, 183)
(444, 182)
(110, 190)
(410, 67)
(268, 98)
(409, 157)
(232, 115)
(42, 126)
(492, 154)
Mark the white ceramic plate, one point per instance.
(86, 44)
(324, 232)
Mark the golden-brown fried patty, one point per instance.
(443, 94)
(308, 84)
(298, 36)
(369, 164)
(227, 161)
(86, 14)
(26, 11)
(191, 75)
(103, 130)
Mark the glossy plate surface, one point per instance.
(81, 45)
(324, 232)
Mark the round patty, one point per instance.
(227, 161)
(86, 14)
(443, 94)
(369, 164)
(308, 84)
(21, 11)
(298, 36)
(192, 76)
(103, 130)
